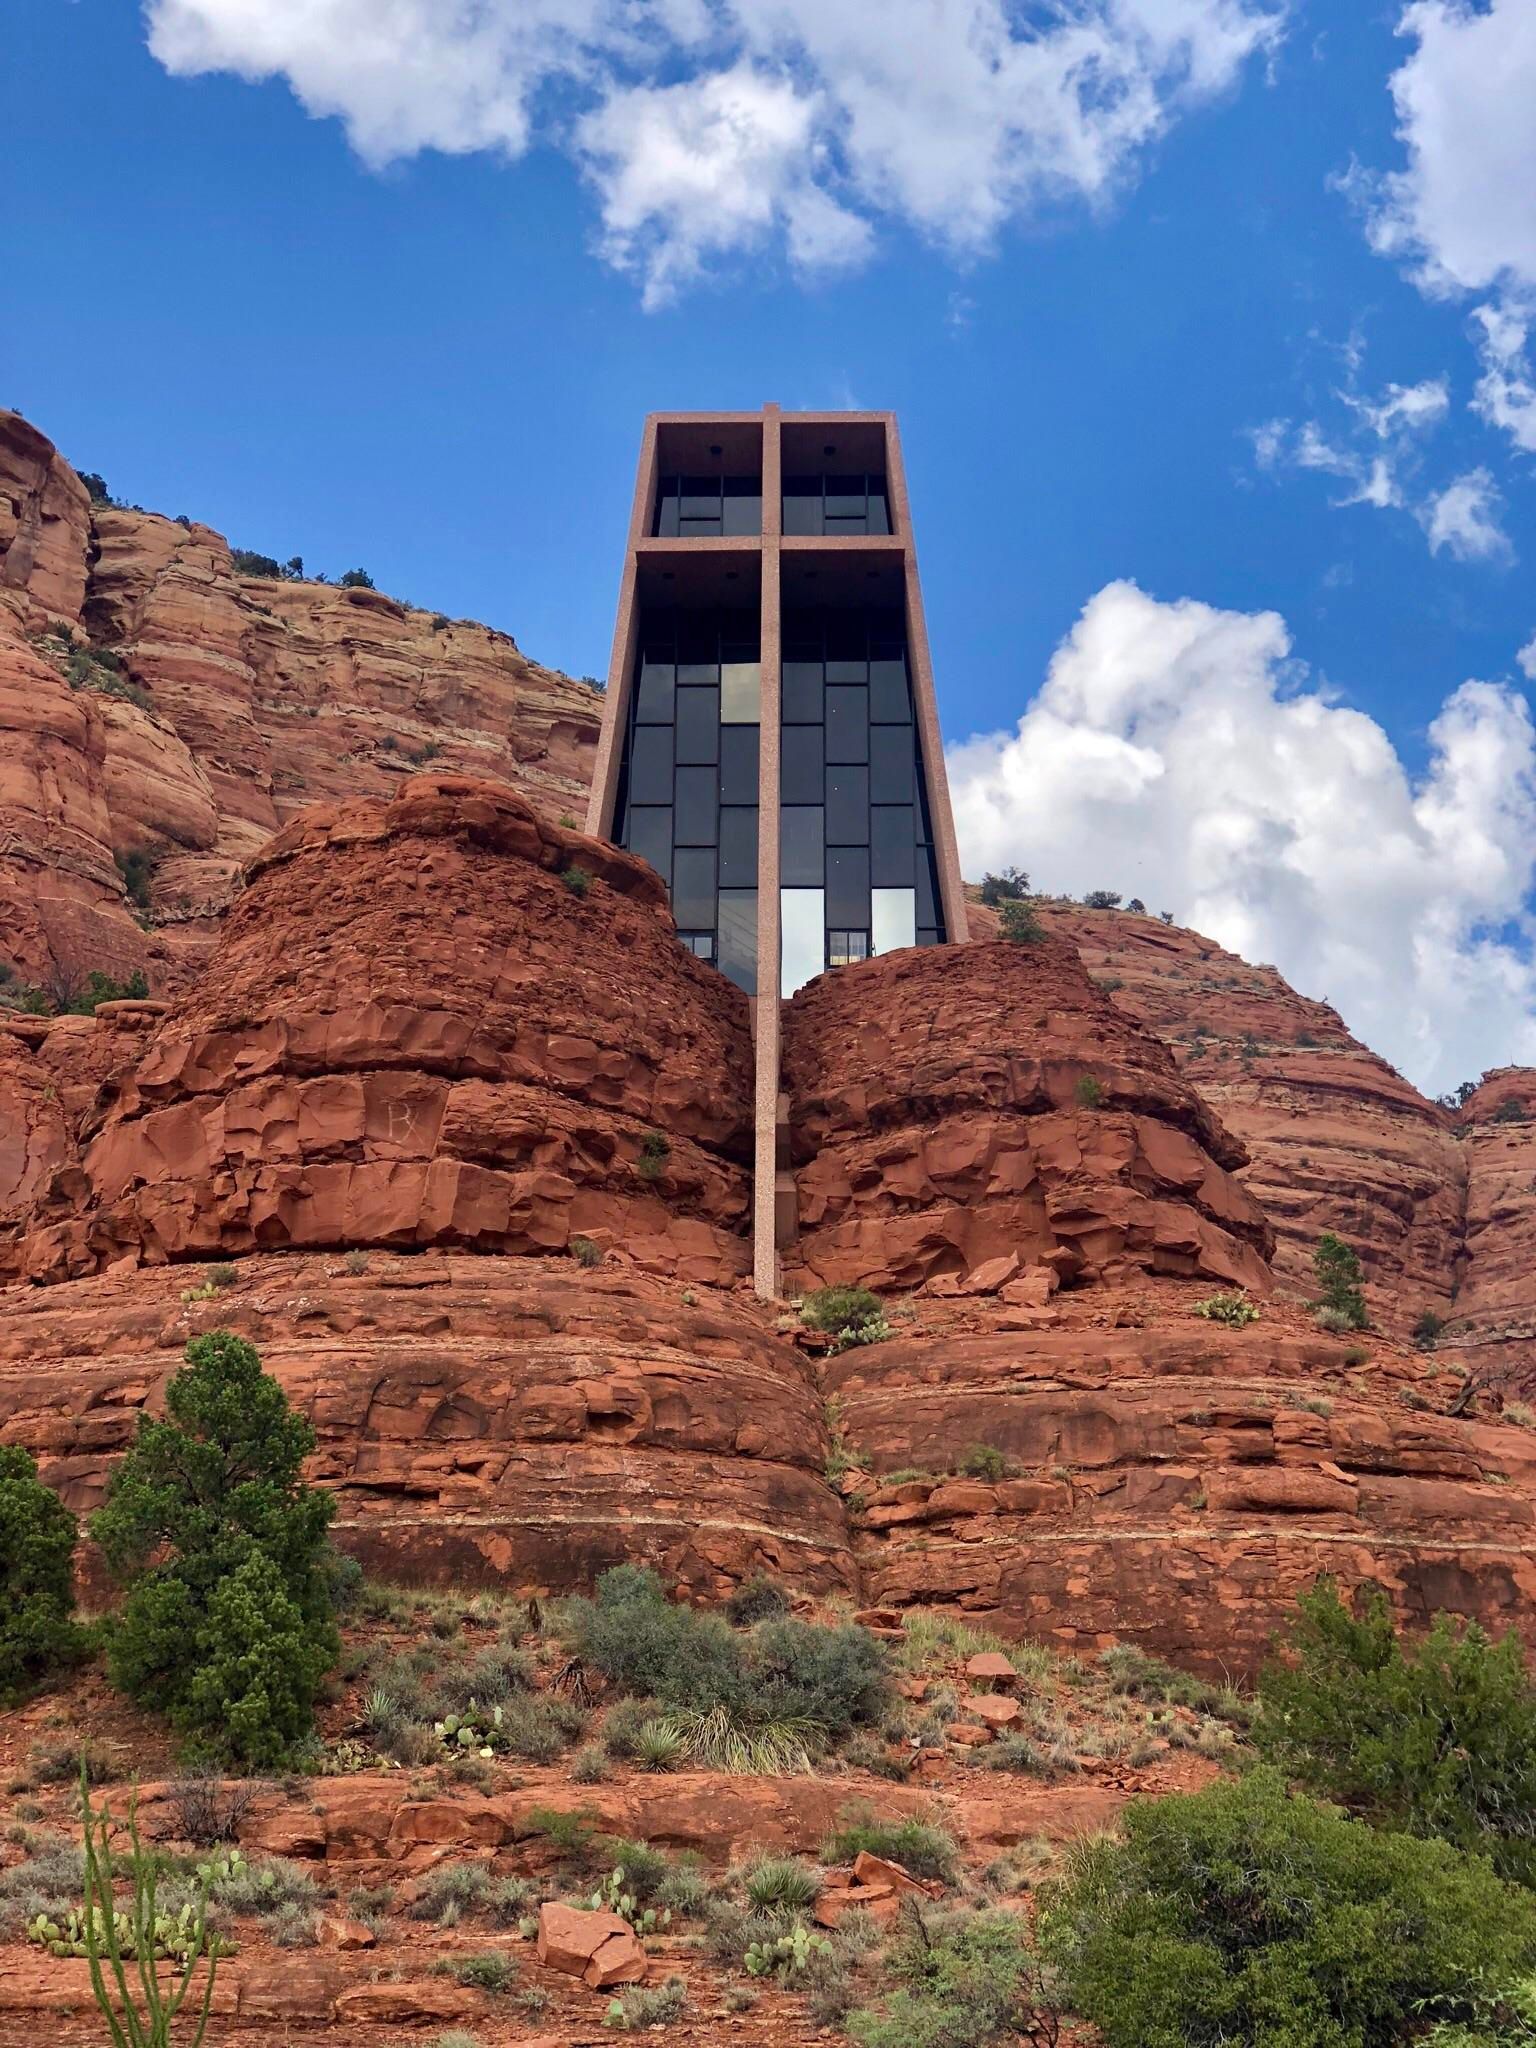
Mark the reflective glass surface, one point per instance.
(738, 937)
(738, 848)
(802, 937)
(802, 856)
(893, 919)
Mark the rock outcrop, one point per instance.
(1493, 1320)
(952, 1106)
(435, 1021)
(153, 701)
(1337, 1140)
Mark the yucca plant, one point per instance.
(113, 1940)
(715, 1739)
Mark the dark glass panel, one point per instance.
(847, 805)
(648, 832)
(666, 508)
(890, 764)
(843, 948)
(694, 807)
(848, 886)
(698, 529)
(738, 937)
(879, 514)
(703, 672)
(700, 498)
(847, 640)
(743, 509)
(890, 702)
(927, 936)
(700, 944)
(738, 847)
(738, 764)
(892, 846)
(846, 497)
(698, 725)
(848, 670)
(802, 504)
(650, 765)
(847, 723)
(693, 888)
(800, 765)
(653, 700)
(927, 908)
(801, 854)
(841, 529)
(800, 692)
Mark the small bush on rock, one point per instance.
(1246, 1917)
(917, 1845)
(1233, 1309)
(1437, 1739)
(227, 1623)
(1339, 1291)
(37, 1596)
(1020, 924)
(967, 1980)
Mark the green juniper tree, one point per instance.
(227, 1624)
(1338, 1281)
(37, 1598)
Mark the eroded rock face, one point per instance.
(415, 1033)
(954, 1105)
(1174, 1483)
(481, 1420)
(1337, 1139)
(239, 702)
(1493, 1331)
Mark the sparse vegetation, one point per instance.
(848, 1315)
(1019, 923)
(355, 579)
(1089, 1091)
(919, 1846)
(576, 879)
(1340, 1296)
(1427, 1331)
(965, 1980)
(1101, 899)
(655, 1150)
(1011, 886)
(983, 1461)
(1232, 1309)
(585, 1252)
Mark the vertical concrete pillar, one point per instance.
(765, 1254)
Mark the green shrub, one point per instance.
(983, 1461)
(1437, 1739)
(37, 1596)
(1337, 1268)
(1137, 1675)
(781, 1884)
(493, 1970)
(585, 1252)
(966, 1980)
(659, 1745)
(1101, 899)
(655, 1150)
(1011, 886)
(576, 879)
(841, 1308)
(1089, 1091)
(761, 1598)
(917, 1845)
(638, 2006)
(833, 1677)
(1233, 1309)
(1428, 1330)
(227, 1624)
(355, 579)
(1020, 924)
(1246, 1917)
(245, 562)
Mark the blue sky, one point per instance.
(1140, 331)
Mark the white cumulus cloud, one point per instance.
(714, 128)
(1464, 520)
(1506, 393)
(1178, 752)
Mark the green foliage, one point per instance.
(1511, 1110)
(1232, 1309)
(355, 579)
(759, 1701)
(782, 1884)
(493, 1970)
(1101, 899)
(639, 2006)
(585, 1252)
(1246, 1917)
(617, 1895)
(759, 1599)
(1135, 1674)
(1011, 886)
(1337, 1267)
(145, 2018)
(576, 879)
(849, 1315)
(227, 1623)
(1089, 1091)
(1020, 924)
(983, 1461)
(137, 869)
(785, 1955)
(1506, 2018)
(654, 1153)
(917, 1845)
(37, 1597)
(96, 487)
(1437, 1739)
(966, 1980)
(440, 622)
(1428, 1330)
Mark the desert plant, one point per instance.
(983, 1461)
(639, 2006)
(965, 1980)
(585, 1252)
(1248, 1917)
(781, 1884)
(784, 1955)
(1089, 1091)
(576, 879)
(1337, 1267)
(355, 579)
(761, 1599)
(660, 1745)
(209, 1808)
(492, 1970)
(848, 1315)
(1438, 1738)
(1011, 886)
(37, 1596)
(1232, 1309)
(917, 1845)
(1020, 924)
(1101, 899)
(227, 1623)
(1427, 1331)
(655, 1150)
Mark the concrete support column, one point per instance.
(765, 1171)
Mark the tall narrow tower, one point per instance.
(771, 742)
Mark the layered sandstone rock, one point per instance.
(1493, 1326)
(416, 1033)
(480, 1419)
(235, 702)
(1337, 1139)
(1173, 1482)
(952, 1106)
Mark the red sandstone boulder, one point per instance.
(598, 1947)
